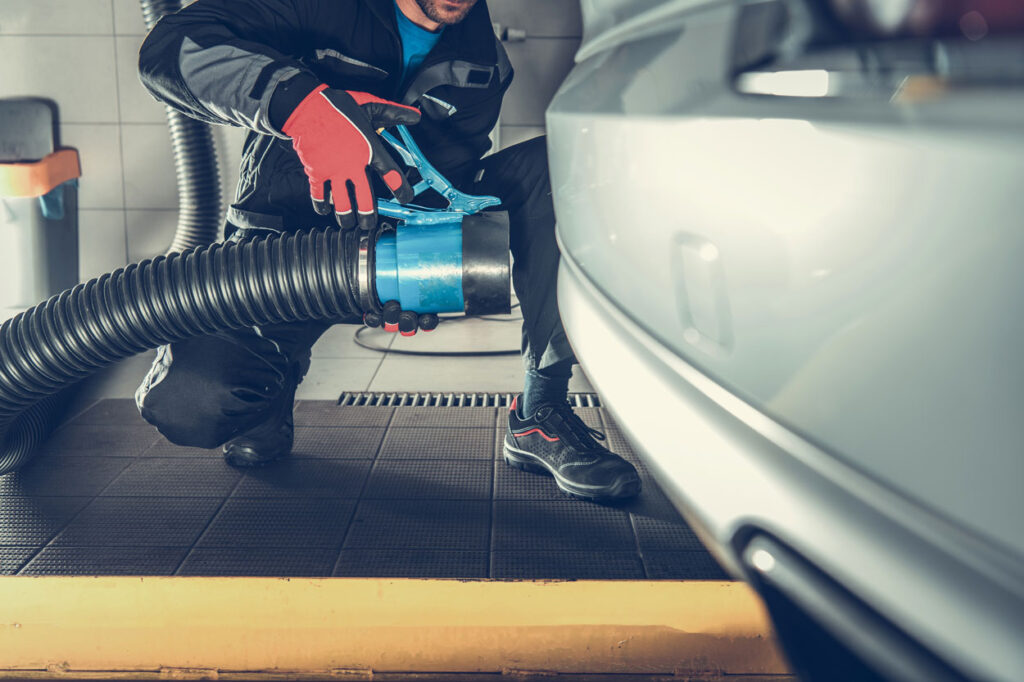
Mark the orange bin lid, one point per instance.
(38, 178)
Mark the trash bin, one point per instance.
(38, 206)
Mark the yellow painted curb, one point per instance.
(197, 627)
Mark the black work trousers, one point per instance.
(204, 391)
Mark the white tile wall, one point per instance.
(541, 65)
(83, 54)
(149, 180)
(56, 17)
(150, 232)
(128, 18)
(137, 105)
(539, 18)
(104, 232)
(75, 71)
(553, 29)
(99, 147)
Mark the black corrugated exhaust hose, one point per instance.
(199, 220)
(153, 10)
(195, 165)
(195, 162)
(283, 278)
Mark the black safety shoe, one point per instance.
(555, 441)
(273, 439)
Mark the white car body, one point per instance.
(800, 291)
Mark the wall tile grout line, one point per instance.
(120, 135)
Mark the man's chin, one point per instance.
(449, 11)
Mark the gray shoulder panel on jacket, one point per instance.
(221, 78)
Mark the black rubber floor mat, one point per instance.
(338, 443)
(405, 563)
(421, 524)
(66, 476)
(13, 558)
(695, 565)
(306, 478)
(430, 479)
(140, 522)
(101, 440)
(423, 443)
(562, 525)
(174, 477)
(297, 523)
(407, 491)
(35, 520)
(657, 535)
(568, 565)
(268, 561)
(96, 560)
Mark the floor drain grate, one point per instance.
(366, 399)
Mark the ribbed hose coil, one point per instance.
(198, 174)
(152, 10)
(282, 278)
(195, 162)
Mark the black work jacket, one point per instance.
(250, 62)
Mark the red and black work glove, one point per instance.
(405, 322)
(333, 132)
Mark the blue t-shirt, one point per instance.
(417, 42)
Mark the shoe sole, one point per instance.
(525, 461)
(246, 458)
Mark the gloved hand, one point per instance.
(406, 322)
(333, 132)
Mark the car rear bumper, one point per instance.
(736, 475)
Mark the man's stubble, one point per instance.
(442, 11)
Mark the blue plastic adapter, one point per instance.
(420, 263)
